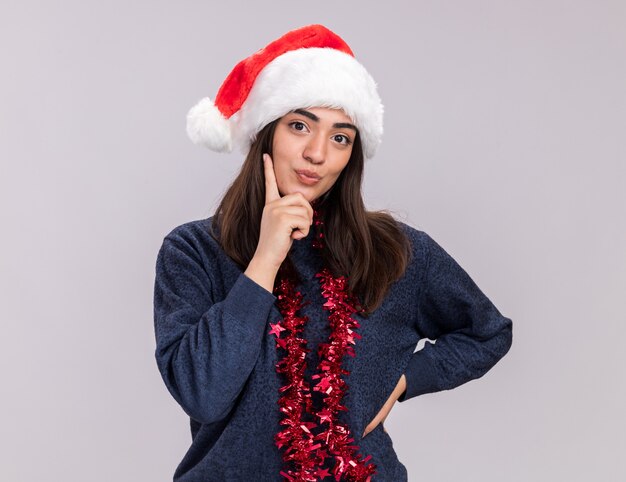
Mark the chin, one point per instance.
(309, 195)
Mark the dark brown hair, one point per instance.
(369, 247)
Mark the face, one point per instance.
(318, 140)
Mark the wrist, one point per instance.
(262, 263)
(262, 273)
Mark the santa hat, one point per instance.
(307, 67)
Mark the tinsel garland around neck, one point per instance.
(307, 445)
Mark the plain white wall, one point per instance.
(504, 139)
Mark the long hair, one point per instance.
(355, 239)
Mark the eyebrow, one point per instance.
(336, 125)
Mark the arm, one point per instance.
(470, 334)
(205, 350)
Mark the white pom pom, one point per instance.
(208, 127)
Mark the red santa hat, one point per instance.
(307, 67)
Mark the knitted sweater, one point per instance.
(217, 357)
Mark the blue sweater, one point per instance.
(217, 357)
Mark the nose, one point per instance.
(315, 150)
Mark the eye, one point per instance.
(297, 125)
(346, 140)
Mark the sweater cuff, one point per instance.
(421, 376)
(247, 299)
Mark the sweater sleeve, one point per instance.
(205, 349)
(470, 335)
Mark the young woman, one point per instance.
(286, 323)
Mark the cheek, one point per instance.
(282, 174)
(332, 180)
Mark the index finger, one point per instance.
(271, 188)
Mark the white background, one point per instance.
(505, 128)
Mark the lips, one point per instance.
(304, 179)
(307, 173)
